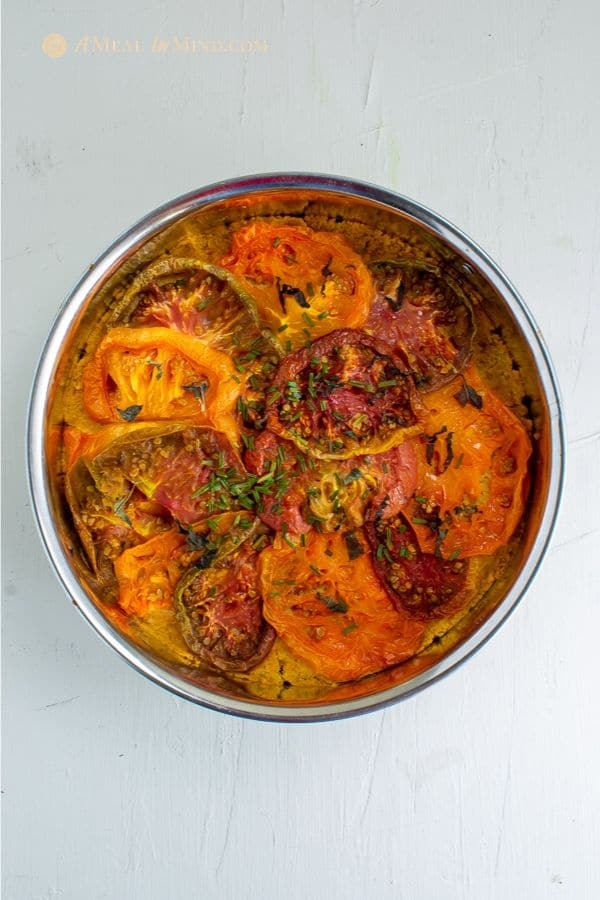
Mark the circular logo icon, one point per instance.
(54, 45)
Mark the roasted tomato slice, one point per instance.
(397, 474)
(109, 522)
(338, 492)
(427, 317)
(148, 573)
(284, 509)
(325, 601)
(422, 584)
(201, 299)
(343, 396)
(305, 283)
(219, 609)
(187, 294)
(157, 373)
(473, 471)
(176, 466)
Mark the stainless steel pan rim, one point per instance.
(109, 261)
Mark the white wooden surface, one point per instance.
(486, 787)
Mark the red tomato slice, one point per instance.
(342, 396)
(285, 511)
(220, 612)
(419, 314)
(422, 584)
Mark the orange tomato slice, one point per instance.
(147, 574)
(473, 472)
(156, 374)
(305, 283)
(331, 610)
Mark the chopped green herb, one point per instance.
(353, 475)
(388, 538)
(195, 541)
(119, 509)
(335, 604)
(467, 394)
(354, 546)
(287, 290)
(363, 385)
(130, 413)
(157, 367)
(198, 390)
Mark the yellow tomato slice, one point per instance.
(156, 374)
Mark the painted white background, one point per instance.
(486, 787)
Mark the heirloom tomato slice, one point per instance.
(422, 584)
(148, 573)
(427, 317)
(219, 609)
(343, 396)
(158, 373)
(305, 283)
(325, 601)
(473, 470)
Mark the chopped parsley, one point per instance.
(335, 604)
(130, 413)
